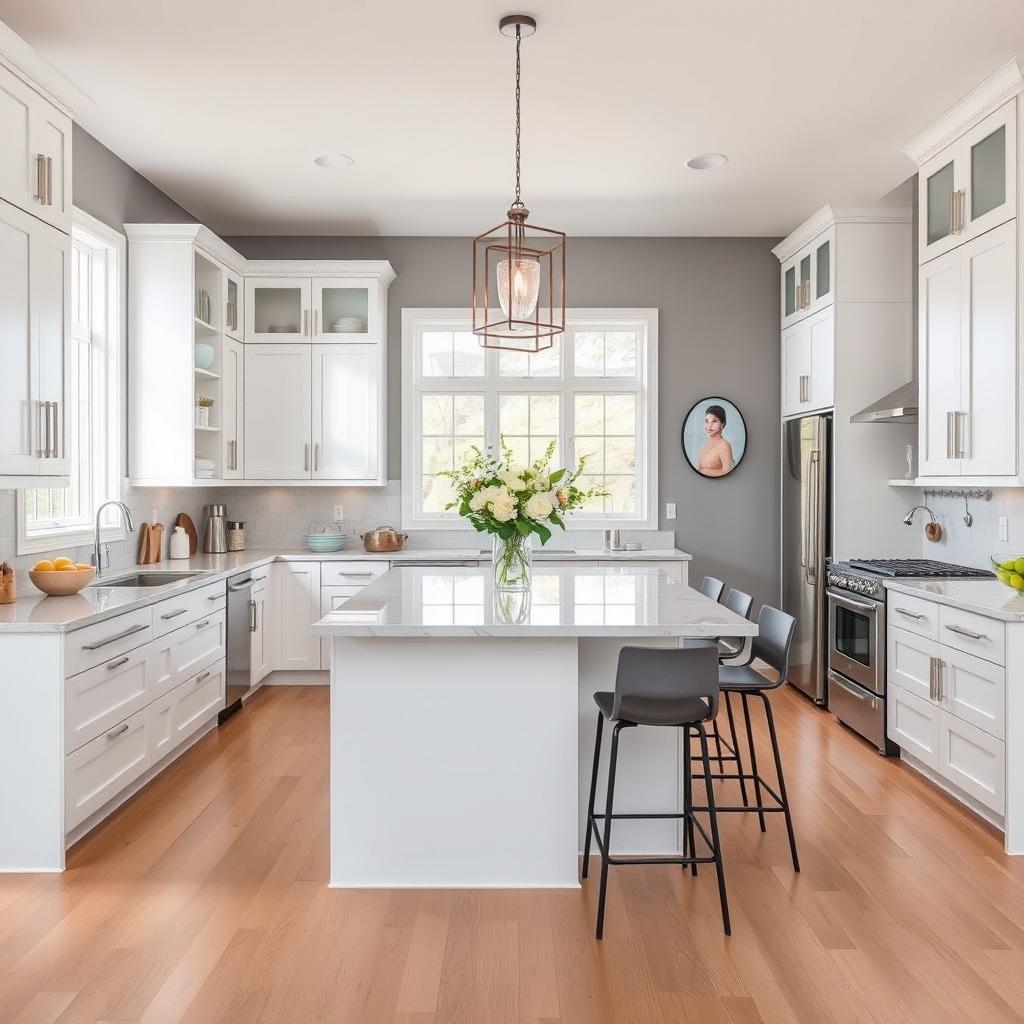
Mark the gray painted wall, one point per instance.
(719, 334)
(111, 191)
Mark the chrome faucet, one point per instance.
(909, 517)
(129, 521)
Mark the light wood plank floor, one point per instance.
(204, 900)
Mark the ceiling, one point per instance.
(224, 103)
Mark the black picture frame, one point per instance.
(692, 431)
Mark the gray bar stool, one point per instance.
(661, 687)
(772, 646)
(711, 588)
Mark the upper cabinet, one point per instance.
(278, 309)
(35, 152)
(346, 310)
(969, 313)
(807, 279)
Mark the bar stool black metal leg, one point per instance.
(716, 840)
(689, 847)
(736, 748)
(606, 852)
(782, 782)
(753, 762)
(593, 793)
(718, 746)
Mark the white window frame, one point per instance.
(645, 386)
(77, 536)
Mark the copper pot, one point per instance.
(384, 538)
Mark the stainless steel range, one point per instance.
(856, 636)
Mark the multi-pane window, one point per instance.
(50, 517)
(593, 392)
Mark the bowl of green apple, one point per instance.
(1010, 571)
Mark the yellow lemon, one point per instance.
(44, 566)
(1016, 581)
(70, 567)
(60, 563)
(1018, 565)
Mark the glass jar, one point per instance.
(236, 536)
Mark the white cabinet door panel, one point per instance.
(277, 309)
(909, 661)
(277, 412)
(914, 725)
(796, 368)
(53, 140)
(298, 586)
(973, 760)
(97, 700)
(232, 408)
(822, 342)
(18, 172)
(974, 690)
(346, 411)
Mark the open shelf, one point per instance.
(206, 373)
(202, 325)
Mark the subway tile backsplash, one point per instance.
(973, 545)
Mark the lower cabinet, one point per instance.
(259, 651)
(972, 760)
(298, 595)
(177, 715)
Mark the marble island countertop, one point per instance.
(985, 597)
(34, 612)
(613, 601)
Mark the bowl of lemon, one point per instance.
(61, 577)
(1010, 571)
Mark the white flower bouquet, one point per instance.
(513, 503)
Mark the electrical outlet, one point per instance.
(670, 510)
(339, 513)
(1004, 533)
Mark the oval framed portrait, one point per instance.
(714, 437)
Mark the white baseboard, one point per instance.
(306, 678)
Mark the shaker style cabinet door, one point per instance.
(299, 601)
(277, 391)
(21, 174)
(233, 408)
(346, 412)
(53, 140)
(346, 309)
(277, 309)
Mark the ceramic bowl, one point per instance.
(62, 584)
(204, 355)
(325, 542)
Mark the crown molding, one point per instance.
(830, 214)
(39, 74)
(1006, 83)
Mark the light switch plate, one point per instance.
(1003, 529)
(670, 510)
(339, 513)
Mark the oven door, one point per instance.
(856, 640)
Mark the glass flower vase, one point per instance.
(512, 562)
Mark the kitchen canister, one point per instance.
(236, 536)
(179, 543)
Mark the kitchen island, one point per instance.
(462, 721)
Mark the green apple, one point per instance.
(1016, 581)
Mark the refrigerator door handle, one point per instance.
(813, 503)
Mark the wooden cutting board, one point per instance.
(156, 542)
(185, 522)
(145, 536)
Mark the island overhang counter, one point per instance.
(462, 721)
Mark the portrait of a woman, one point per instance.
(714, 437)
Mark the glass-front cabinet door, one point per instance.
(346, 309)
(233, 305)
(277, 309)
(807, 279)
(970, 186)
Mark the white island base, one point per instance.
(463, 761)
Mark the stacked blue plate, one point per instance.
(325, 542)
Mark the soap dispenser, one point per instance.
(179, 543)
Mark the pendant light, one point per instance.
(518, 268)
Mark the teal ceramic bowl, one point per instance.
(204, 355)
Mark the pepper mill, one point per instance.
(215, 540)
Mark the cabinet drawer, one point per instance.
(350, 574)
(177, 715)
(915, 615)
(972, 760)
(914, 725)
(97, 772)
(176, 611)
(99, 643)
(975, 634)
(177, 656)
(97, 700)
(909, 661)
(974, 690)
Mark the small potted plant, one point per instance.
(203, 406)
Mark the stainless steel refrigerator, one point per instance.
(806, 546)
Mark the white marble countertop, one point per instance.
(615, 601)
(985, 597)
(34, 612)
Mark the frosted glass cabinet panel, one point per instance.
(277, 309)
(233, 304)
(970, 186)
(346, 309)
(807, 279)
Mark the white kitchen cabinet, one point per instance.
(973, 761)
(35, 152)
(913, 723)
(969, 359)
(260, 649)
(234, 305)
(232, 417)
(298, 592)
(34, 314)
(808, 371)
(970, 186)
(278, 413)
(347, 411)
(278, 309)
(346, 309)
(807, 279)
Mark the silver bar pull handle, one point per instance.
(174, 614)
(119, 731)
(118, 663)
(959, 422)
(201, 677)
(252, 616)
(40, 179)
(117, 636)
(49, 181)
(952, 213)
(909, 614)
(960, 631)
(316, 457)
(949, 435)
(200, 625)
(316, 321)
(305, 456)
(931, 679)
(305, 321)
(353, 574)
(57, 446)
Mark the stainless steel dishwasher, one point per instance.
(241, 625)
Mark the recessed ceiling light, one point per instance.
(706, 161)
(333, 160)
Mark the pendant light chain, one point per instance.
(518, 200)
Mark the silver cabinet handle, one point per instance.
(214, 597)
(959, 448)
(952, 212)
(316, 321)
(316, 457)
(959, 205)
(305, 321)
(119, 731)
(174, 614)
(252, 616)
(359, 574)
(117, 636)
(960, 631)
(205, 622)
(931, 679)
(49, 181)
(305, 457)
(949, 435)
(40, 179)
(118, 663)
(909, 614)
(201, 677)
(48, 435)
(56, 429)
(939, 666)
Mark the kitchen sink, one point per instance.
(146, 579)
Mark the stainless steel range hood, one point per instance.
(899, 406)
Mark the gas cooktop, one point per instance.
(917, 568)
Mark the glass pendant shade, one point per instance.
(523, 288)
